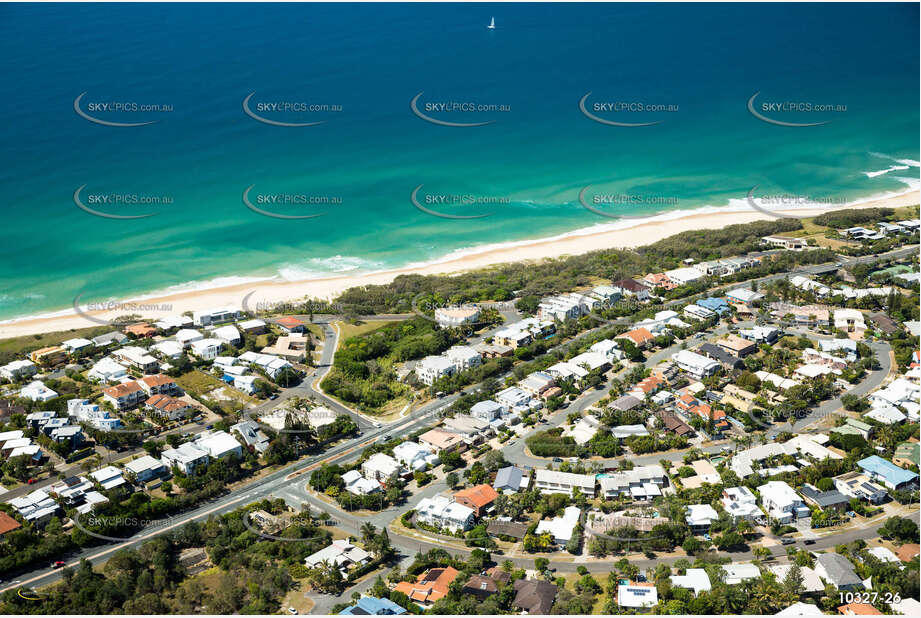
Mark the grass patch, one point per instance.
(347, 329)
(198, 382)
(16, 347)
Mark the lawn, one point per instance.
(347, 330)
(198, 382)
(16, 347)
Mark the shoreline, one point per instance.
(623, 234)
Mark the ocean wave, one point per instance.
(324, 267)
(891, 168)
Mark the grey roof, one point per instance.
(824, 498)
(720, 355)
(627, 402)
(839, 569)
(509, 477)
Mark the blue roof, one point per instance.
(714, 304)
(373, 606)
(893, 474)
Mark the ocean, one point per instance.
(355, 69)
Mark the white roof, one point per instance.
(738, 572)
(701, 515)
(561, 527)
(695, 579)
(800, 609)
(218, 443)
(631, 595)
(142, 464)
(226, 333)
(76, 343)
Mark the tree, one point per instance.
(901, 529)
(451, 480)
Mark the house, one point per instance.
(290, 324)
(626, 402)
(858, 609)
(68, 434)
(172, 322)
(440, 440)
(373, 606)
(637, 595)
(800, 609)
(480, 586)
(415, 456)
(699, 517)
(145, 468)
(741, 503)
(737, 346)
(207, 349)
(76, 345)
(838, 571)
(632, 288)
(252, 327)
(782, 503)
(683, 276)
(584, 430)
(292, 347)
(641, 337)
(107, 339)
(187, 336)
(49, 356)
(37, 391)
(166, 407)
(472, 430)
(381, 467)
(850, 321)
(158, 384)
(216, 316)
(887, 415)
(478, 498)
(252, 435)
(124, 396)
(534, 596)
(811, 582)
(856, 485)
(186, 457)
(18, 370)
(705, 472)
(553, 481)
(85, 412)
(561, 527)
(168, 349)
(431, 368)
(697, 365)
(138, 358)
(659, 280)
(672, 423)
(760, 334)
(510, 480)
(109, 477)
(739, 572)
(693, 579)
(716, 305)
(454, 317)
(36, 508)
(339, 553)
(359, 485)
(515, 400)
(889, 474)
(219, 444)
(442, 513)
(228, 334)
(640, 483)
(832, 500)
(429, 586)
(906, 607)
(486, 410)
(464, 357)
(7, 525)
(743, 296)
(536, 383)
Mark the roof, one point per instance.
(7, 523)
(481, 583)
(157, 380)
(373, 606)
(890, 472)
(535, 596)
(859, 609)
(639, 336)
(122, 390)
(289, 322)
(627, 402)
(839, 569)
(479, 495)
(429, 586)
(637, 595)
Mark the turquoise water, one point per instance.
(372, 60)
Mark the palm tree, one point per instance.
(368, 532)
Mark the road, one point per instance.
(291, 488)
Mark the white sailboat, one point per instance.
(492, 24)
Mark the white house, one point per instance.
(219, 444)
(464, 357)
(695, 364)
(18, 370)
(187, 336)
(683, 276)
(431, 368)
(168, 349)
(554, 481)
(700, 516)
(486, 410)
(107, 371)
(741, 503)
(228, 334)
(442, 512)
(77, 344)
(340, 553)
(207, 349)
(782, 503)
(359, 485)
(216, 316)
(37, 391)
(452, 317)
(561, 528)
(414, 456)
(145, 468)
(381, 467)
(186, 457)
(694, 579)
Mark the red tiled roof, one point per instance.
(7, 523)
(122, 390)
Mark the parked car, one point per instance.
(557, 460)
(787, 541)
(57, 564)
(809, 542)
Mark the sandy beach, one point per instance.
(262, 293)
